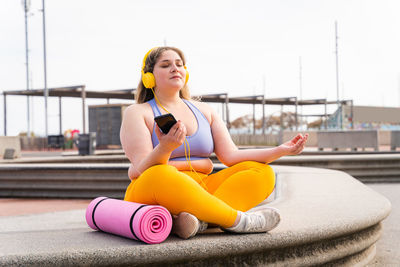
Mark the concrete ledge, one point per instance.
(91, 176)
(10, 142)
(70, 159)
(366, 168)
(205, 250)
(394, 139)
(347, 139)
(63, 180)
(328, 217)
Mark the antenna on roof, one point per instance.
(337, 77)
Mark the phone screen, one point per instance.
(165, 122)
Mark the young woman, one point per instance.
(173, 169)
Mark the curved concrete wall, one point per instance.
(328, 218)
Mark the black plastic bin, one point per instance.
(86, 144)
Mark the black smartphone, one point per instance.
(165, 122)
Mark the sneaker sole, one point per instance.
(273, 217)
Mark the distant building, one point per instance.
(105, 121)
(366, 117)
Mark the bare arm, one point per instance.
(137, 144)
(228, 153)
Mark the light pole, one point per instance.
(46, 91)
(26, 5)
(301, 88)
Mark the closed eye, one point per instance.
(167, 65)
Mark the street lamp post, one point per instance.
(301, 91)
(46, 91)
(26, 5)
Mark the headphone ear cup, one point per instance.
(187, 77)
(148, 80)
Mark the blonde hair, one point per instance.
(143, 94)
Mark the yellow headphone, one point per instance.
(148, 78)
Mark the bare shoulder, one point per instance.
(137, 108)
(139, 112)
(142, 110)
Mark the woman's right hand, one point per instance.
(175, 137)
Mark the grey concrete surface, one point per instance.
(365, 167)
(394, 140)
(388, 247)
(103, 175)
(327, 216)
(347, 139)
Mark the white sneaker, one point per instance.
(186, 225)
(256, 222)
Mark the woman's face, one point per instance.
(169, 71)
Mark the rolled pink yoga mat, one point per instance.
(148, 223)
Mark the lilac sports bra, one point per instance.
(201, 142)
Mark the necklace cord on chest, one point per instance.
(186, 146)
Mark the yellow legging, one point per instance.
(214, 199)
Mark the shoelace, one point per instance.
(255, 222)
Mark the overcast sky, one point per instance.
(230, 46)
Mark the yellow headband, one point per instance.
(148, 78)
(145, 57)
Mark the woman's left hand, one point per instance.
(294, 146)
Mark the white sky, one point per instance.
(230, 46)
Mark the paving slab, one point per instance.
(388, 247)
(25, 206)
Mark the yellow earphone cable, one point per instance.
(186, 143)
